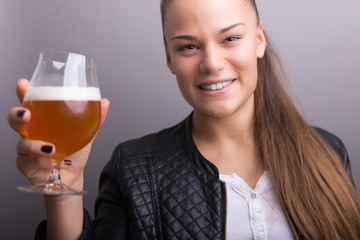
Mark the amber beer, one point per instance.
(68, 117)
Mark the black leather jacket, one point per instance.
(161, 187)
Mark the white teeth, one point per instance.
(216, 86)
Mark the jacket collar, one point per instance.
(193, 152)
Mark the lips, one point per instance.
(216, 86)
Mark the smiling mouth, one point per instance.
(216, 86)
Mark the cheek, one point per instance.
(184, 69)
(245, 63)
(185, 88)
(245, 58)
(183, 74)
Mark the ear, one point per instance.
(169, 63)
(261, 41)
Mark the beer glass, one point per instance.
(64, 101)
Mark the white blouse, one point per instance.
(254, 213)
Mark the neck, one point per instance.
(238, 128)
(229, 143)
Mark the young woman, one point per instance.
(243, 165)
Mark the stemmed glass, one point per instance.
(64, 101)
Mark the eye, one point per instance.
(231, 39)
(188, 47)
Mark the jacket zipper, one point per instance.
(224, 192)
(291, 225)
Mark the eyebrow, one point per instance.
(186, 37)
(223, 30)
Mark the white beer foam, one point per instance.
(62, 93)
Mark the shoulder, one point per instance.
(139, 150)
(338, 146)
(131, 161)
(331, 139)
(154, 142)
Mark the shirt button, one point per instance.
(258, 210)
(253, 195)
(261, 228)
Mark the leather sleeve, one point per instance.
(111, 212)
(339, 148)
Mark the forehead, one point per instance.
(191, 14)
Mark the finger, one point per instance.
(17, 118)
(105, 103)
(66, 163)
(31, 162)
(21, 88)
(27, 146)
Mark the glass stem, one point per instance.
(55, 175)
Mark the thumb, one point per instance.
(21, 88)
(105, 103)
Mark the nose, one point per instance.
(212, 60)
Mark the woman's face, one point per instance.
(212, 48)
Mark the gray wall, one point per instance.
(318, 40)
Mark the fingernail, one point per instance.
(109, 100)
(68, 162)
(46, 149)
(20, 113)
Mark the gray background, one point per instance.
(318, 41)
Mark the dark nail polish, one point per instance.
(20, 113)
(46, 149)
(68, 162)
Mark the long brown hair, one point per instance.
(309, 178)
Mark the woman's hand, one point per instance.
(33, 156)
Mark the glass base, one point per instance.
(51, 189)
